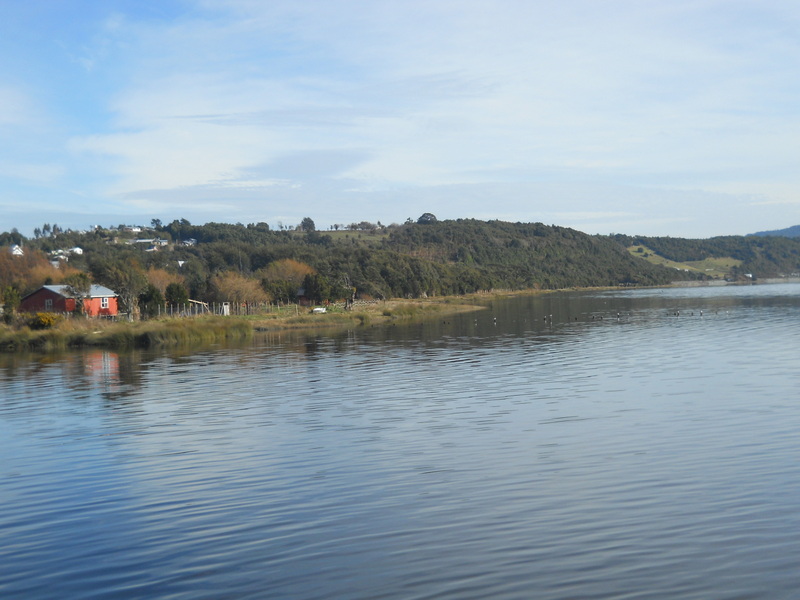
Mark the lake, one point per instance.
(616, 444)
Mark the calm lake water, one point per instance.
(654, 454)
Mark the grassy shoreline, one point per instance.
(82, 333)
(169, 332)
(179, 331)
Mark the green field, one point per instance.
(716, 267)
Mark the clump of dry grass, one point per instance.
(77, 333)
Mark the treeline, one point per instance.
(774, 256)
(255, 263)
(416, 259)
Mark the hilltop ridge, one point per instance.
(790, 232)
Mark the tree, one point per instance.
(28, 272)
(150, 301)
(176, 294)
(79, 286)
(342, 289)
(126, 278)
(281, 291)
(281, 278)
(317, 288)
(307, 224)
(426, 219)
(161, 278)
(11, 299)
(235, 287)
(285, 269)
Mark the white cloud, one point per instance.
(416, 101)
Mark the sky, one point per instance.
(642, 117)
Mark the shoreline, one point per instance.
(73, 334)
(171, 332)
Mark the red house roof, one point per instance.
(96, 291)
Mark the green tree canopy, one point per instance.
(427, 218)
(176, 294)
(126, 278)
(151, 301)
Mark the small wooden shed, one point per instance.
(101, 302)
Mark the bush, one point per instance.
(43, 320)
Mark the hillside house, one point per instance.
(59, 255)
(16, 250)
(102, 302)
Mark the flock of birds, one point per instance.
(619, 316)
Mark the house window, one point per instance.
(104, 303)
(48, 304)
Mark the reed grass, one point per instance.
(89, 333)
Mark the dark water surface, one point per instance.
(646, 455)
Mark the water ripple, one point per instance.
(646, 456)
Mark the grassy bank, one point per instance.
(64, 334)
(390, 311)
(83, 333)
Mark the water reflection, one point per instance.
(495, 454)
(553, 318)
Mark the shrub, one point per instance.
(43, 320)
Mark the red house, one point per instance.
(58, 299)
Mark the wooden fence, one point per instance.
(196, 308)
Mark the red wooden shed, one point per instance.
(58, 299)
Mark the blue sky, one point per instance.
(676, 118)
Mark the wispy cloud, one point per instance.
(464, 109)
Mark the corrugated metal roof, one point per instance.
(96, 291)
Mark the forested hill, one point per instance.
(791, 232)
(434, 258)
(528, 255)
(219, 261)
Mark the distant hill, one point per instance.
(425, 258)
(411, 260)
(731, 257)
(528, 255)
(790, 232)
